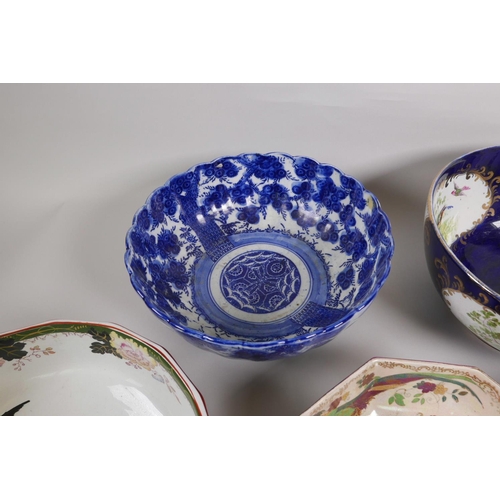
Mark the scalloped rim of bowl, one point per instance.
(196, 395)
(376, 360)
(252, 345)
(430, 214)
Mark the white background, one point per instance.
(77, 161)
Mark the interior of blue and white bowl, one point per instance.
(255, 248)
(465, 207)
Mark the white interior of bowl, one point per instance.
(58, 370)
(323, 249)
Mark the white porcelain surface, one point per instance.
(78, 160)
(477, 317)
(461, 234)
(69, 368)
(259, 256)
(460, 203)
(398, 387)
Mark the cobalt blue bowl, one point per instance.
(259, 256)
(462, 239)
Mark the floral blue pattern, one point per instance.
(259, 256)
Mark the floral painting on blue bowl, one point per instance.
(462, 240)
(259, 256)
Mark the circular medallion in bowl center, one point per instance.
(260, 281)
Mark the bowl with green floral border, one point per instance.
(96, 369)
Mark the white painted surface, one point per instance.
(77, 161)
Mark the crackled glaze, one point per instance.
(259, 256)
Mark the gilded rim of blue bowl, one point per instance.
(430, 215)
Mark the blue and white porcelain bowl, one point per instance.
(259, 256)
(462, 240)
